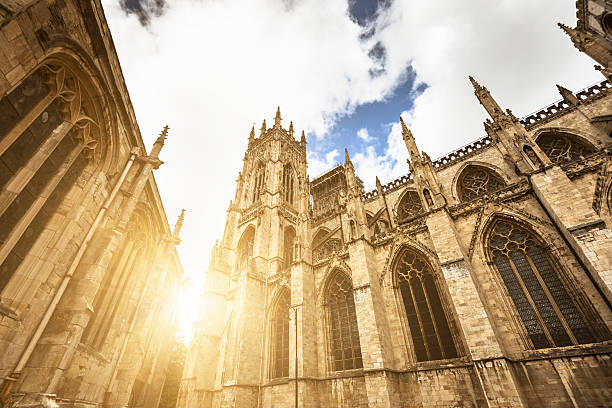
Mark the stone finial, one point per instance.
(252, 135)
(277, 118)
(291, 129)
(568, 96)
(607, 72)
(303, 140)
(179, 224)
(159, 143)
(408, 137)
(347, 159)
(476, 85)
(569, 31)
(263, 128)
(378, 184)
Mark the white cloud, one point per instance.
(211, 68)
(363, 134)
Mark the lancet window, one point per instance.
(426, 317)
(476, 181)
(288, 184)
(410, 205)
(342, 322)
(549, 313)
(48, 130)
(245, 248)
(280, 337)
(288, 247)
(259, 179)
(562, 147)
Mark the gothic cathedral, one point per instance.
(480, 279)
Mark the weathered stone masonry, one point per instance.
(480, 279)
(89, 271)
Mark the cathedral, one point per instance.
(86, 251)
(480, 279)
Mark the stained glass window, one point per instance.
(280, 337)
(344, 335)
(409, 206)
(550, 315)
(427, 321)
(562, 147)
(476, 181)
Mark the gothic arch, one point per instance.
(398, 245)
(278, 344)
(581, 135)
(342, 331)
(423, 302)
(409, 204)
(288, 249)
(244, 247)
(561, 145)
(495, 169)
(74, 139)
(476, 179)
(549, 308)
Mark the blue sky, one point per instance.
(210, 69)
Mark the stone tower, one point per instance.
(480, 279)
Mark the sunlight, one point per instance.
(189, 305)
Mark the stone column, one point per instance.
(585, 231)
(303, 335)
(376, 349)
(498, 384)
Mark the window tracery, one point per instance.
(288, 183)
(562, 147)
(343, 332)
(280, 337)
(44, 127)
(245, 248)
(550, 315)
(476, 181)
(259, 179)
(427, 320)
(288, 247)
(409, 206)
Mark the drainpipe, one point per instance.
(27, 353)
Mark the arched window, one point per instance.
(409, 206)
(427, 320)
(245, 247)
(476, 181)
(259, 179)
(280, 337)
(288, 181)
(550, 315)
(49, 126)
(342, 322)
(324, 246)
(563, 147)
(288, 244)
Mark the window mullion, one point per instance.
(418, 315)
(551, 300)
(433, 320)
(38, 203)
(530, 300)
(22, 177)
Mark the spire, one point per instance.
(252, 135)
(263, 128)
(303, 140)
(179, 225)
(486, 100)
(159, 143)
(277, 118)
(347, 159)
(413, 150)
(378, 184)
(569, 31)
(568, 96)
(291, 129)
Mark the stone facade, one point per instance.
(89, 271)
(480, 279)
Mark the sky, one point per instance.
(342, 70)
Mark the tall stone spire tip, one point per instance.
(277, 118)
